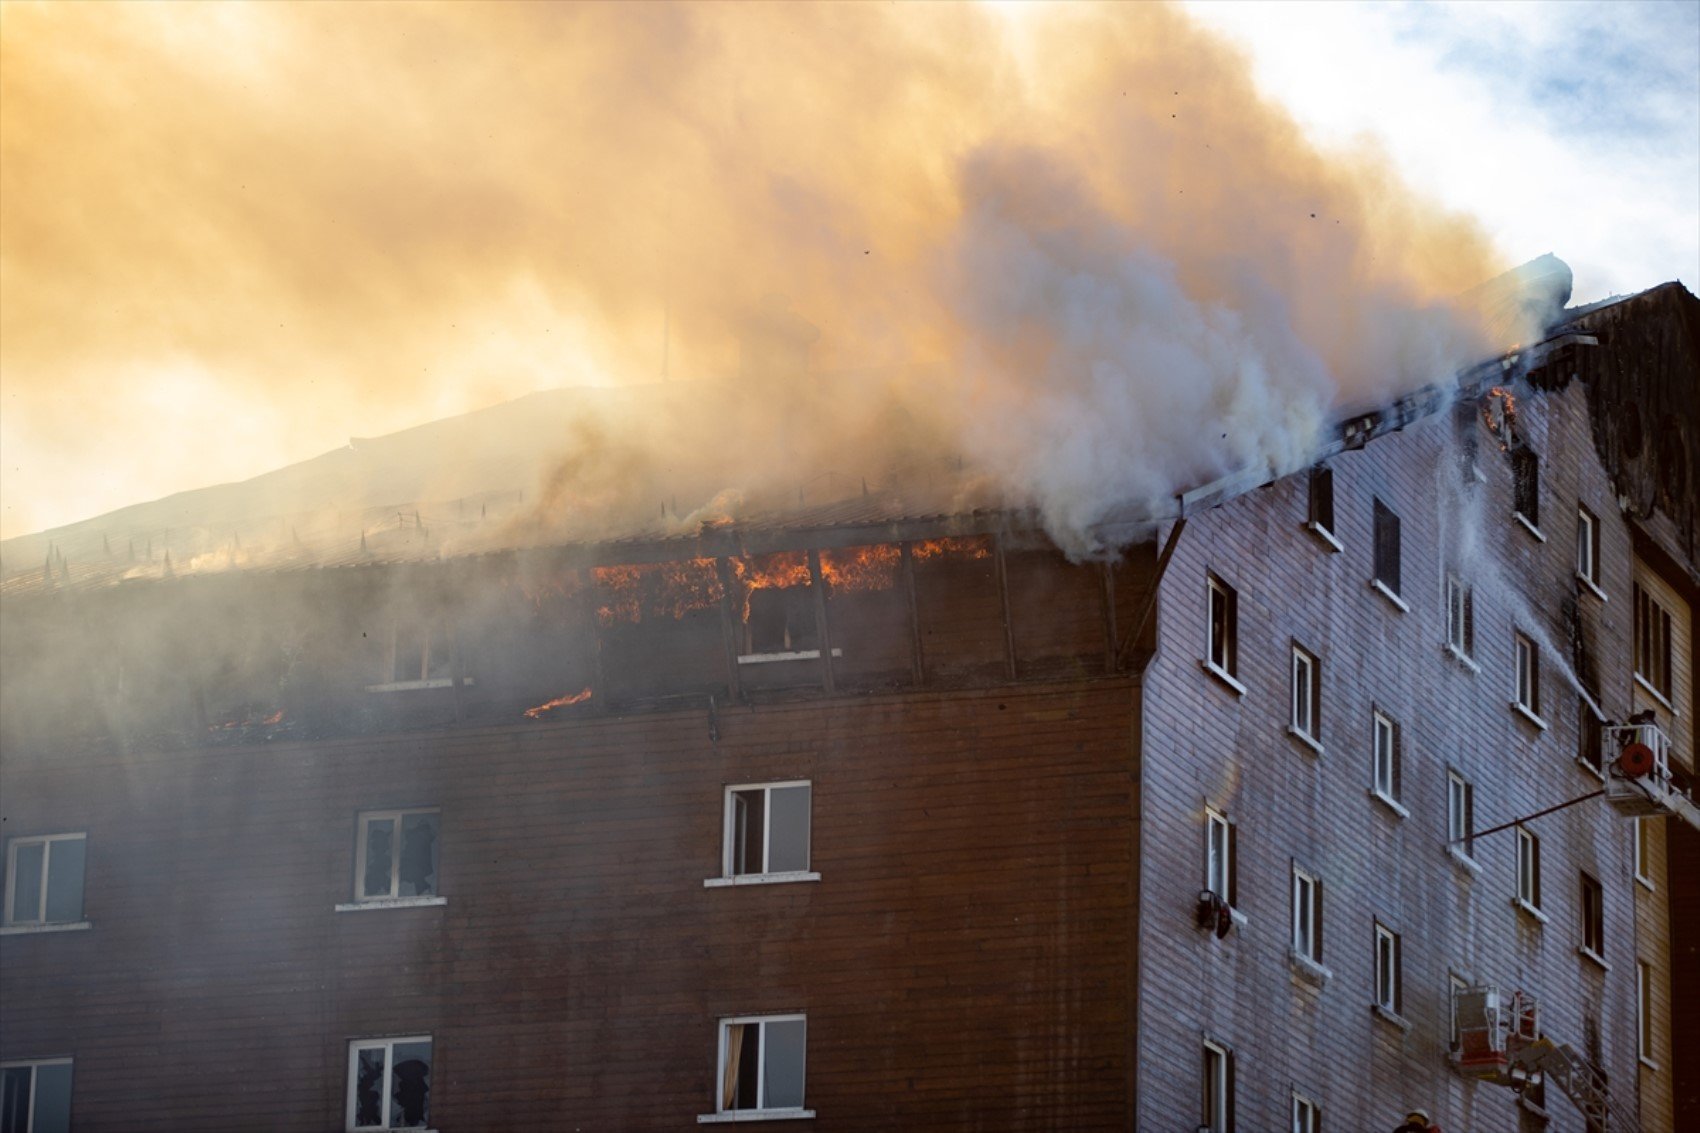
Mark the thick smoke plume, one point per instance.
(1069, 249)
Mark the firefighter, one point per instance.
(1416, 1121)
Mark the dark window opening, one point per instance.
(1526, 485)
(1386, 547)
(782, 621)
(1223, 633)
(1322, 498)
(1593, 916)
(1652, 643)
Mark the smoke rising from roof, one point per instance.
(1070, 246)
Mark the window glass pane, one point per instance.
(53, 1093)
(26, 882)
(783, 1063)
(65, 880)
(368, 1088)
(788, 837)
(15, 1100)
(418, 855)
(379, 836)
(410, 1085)
(747, 821)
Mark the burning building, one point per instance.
(869, 806)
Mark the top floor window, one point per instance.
(1223, 642)
(1587, 547)
(1321, 511)
(44, 880)
(1526, 485)
(1386, 547)
(1652, 643)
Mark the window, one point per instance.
(1593, 916)
(389, 1083)
(767, 831)
(1218, 1112)
(1528, 676)
(1388, 992)
(1528, 868)
(1652, 643)
(1526, 485)
(1460, 814)
(1223, 644)
(1387, 772)
(44, 880)
(420, 651)
(1321, 514)
(1644, 1010)
(1590, 736)
(1307, 1115)
(397, 855)
(1307, 915)
(35, 1097)
(1455, 986)
(1307, 693)
(1643, 854)
(1219, 839)
(1587, 546)
(782, 620)
(1386, 547)
(1460, 617)
(761, 1064)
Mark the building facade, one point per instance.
(874, 817)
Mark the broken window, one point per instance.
(1386, 547)
(1385, 739)
(1528, 868)
(44, 879)
(761, 1064)
(397, 855)
(1460, 617)
(1593, 916)
(1587, 546)
(1652, 643)
(1217, 1115)
(781, 621)
(1222, 643)
(420, 650)
(1387, 974)
(1219, 847)
(35, 1096)
(1321, 515)
(1460, 814)
(389, 1083)
(767, 829)
(1307, 693)
(1528, 676)
(1526, 485)
(1307, 915)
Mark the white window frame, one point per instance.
(1305, 681)
(1526, 694)
(1307, 1115)
(1460, 807)
(1644, 1013)
(1227, 667)
(1639, 855)
(35, 1064)
(40, 923)
(1384, 734)
(1219, 855)
(1454, 984)
(728, 837)
(389, 1043)
(1388, 964)
(361, 841)
(1653, 637)
(1593, 926)
(762, 1113)
(1588, 548)
(1528, 869)
(1460, 620)
(1306, 926)
(1218, 1097)
(427, 627)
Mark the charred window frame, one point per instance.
(396, 856)
(1593, 904)
(1221, 875)
(44, 882)
(1387, 549)
(1460, 814)
(1216, 1115)
(1386, 740)
(1588, 548)
(1652, 643)
(1319, 514)
(1306, 716)
(1460, 618)
(1222, 651)
(767, 833)
(1389, 976)
(1528, 672)
(389, 1083)
(1307, 1114)
(1526, 487)
(1307, 915)
(35, 1095)
(761, 1068)
(1528, 869)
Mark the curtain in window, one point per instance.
(734, 1051)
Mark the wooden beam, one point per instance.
(731, 625)
(1003, 600)
(822, 630)
(1150, 602)
(917, 654)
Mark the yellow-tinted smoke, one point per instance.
(239, 233)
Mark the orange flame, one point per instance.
(965, 547)
(862, 568)
(657, 590)
(271, 721)
(1499, 414)
(548, 706)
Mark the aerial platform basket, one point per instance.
(1636, 760)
